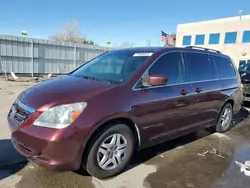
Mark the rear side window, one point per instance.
(169, 65)
(224, 67)
(200, 66)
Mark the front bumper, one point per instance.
(53, 149)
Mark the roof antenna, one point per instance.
(240, 13)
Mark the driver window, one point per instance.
(170, 66)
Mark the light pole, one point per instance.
(107, 43)
(240, 13)
(25, 33)
(148, 42)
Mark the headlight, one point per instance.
(59, 117)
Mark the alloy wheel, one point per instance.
(112, 151)
(226, 117)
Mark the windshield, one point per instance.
(245, 67)
(115, 67)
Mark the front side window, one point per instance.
(230, 37)
(214, 38)
(225, 67)
(201, 67)
(186, 40)
(115, 67)
(170, 66)
(199, 39)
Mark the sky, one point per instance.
(112, 20)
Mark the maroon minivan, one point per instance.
(122, 101)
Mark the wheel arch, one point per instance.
(230, 101)
(124, 120)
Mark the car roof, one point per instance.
(141, 49)
(163, 49)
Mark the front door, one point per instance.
(163, 111)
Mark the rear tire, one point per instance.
(224, 122)
(110, 151)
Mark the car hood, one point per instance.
(62, 90)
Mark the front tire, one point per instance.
(110, 151)
(224, 123)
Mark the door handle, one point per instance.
(183, 92)
(198, 90)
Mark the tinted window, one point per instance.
(201, 67)
(230, 37)
(186, 40)
(214, 38)
(199, 39)
(169, 65)
(246, 36)
(224, 67)
(115, 66)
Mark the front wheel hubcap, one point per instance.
(112, 152)
(226, 118)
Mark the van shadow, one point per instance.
(10, 161)
(148, 153)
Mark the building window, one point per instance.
(199, 39)
(230, 37)
(214, 38)
(246, 36)
(186, 40)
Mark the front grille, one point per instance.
(20, 112)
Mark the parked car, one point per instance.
(122, 101)
(244, 71)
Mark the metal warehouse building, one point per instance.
(228, 35)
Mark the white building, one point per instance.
(228, 35)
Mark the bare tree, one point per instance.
(71, 33)
(126, 44)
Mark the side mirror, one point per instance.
(155, 80)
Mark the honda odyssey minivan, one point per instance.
(122, 101)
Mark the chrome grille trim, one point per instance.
(25, 107)
(21, 112)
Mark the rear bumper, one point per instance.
(45, 147)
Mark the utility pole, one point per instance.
(148, 42)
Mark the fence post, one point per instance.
(32, 58)
(75, 57)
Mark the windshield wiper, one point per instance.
(93, 78)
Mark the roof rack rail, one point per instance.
(206, 49)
